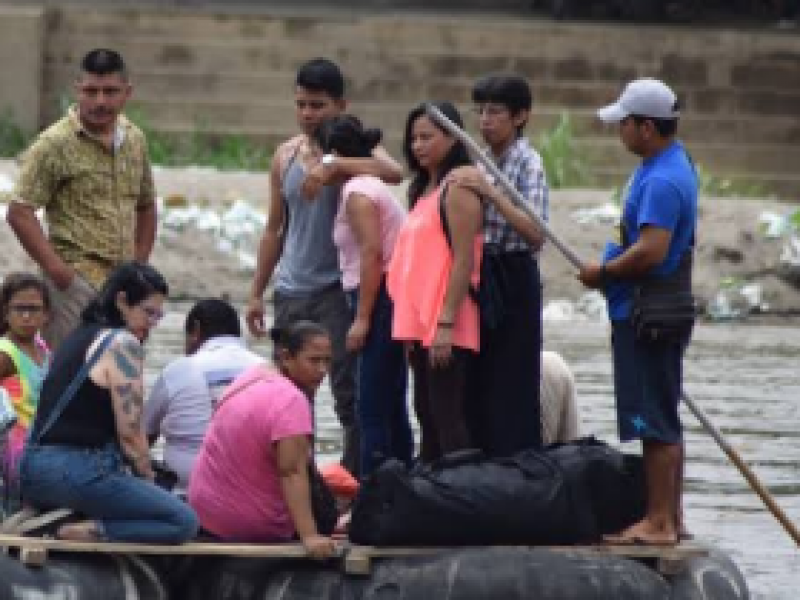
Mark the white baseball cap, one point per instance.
(644, 97)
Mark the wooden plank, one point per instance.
(188, 549)
(357, 559)
(669, 559)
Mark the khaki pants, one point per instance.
(66, 308)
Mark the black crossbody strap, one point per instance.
(473, 293)
(71, 390)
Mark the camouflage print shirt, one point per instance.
(90, 194)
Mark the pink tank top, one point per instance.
(418, 275)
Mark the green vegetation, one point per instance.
(715, 185)
(229, 152)
(564, 165)
(12, 138)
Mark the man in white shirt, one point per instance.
(184, 396)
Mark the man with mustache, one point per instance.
(90, 174)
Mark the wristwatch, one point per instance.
(328, 159)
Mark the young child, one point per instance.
(24, 359)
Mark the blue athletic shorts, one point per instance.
(647, 385)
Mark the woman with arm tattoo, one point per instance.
(80, 446)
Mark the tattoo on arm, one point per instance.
(128, 358)
(131, 398)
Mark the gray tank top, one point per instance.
(309, 261)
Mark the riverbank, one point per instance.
(211, 222)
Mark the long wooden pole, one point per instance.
(512, 192)
(746, 471)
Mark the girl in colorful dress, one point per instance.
(24, 359)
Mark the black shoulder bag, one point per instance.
(664, 308)
(489, 293)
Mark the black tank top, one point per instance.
(88, 419)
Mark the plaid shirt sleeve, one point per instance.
(532, 184)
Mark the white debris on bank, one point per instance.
(787, 227)
(6, 183)
(237, 229)
(591, 306)
(608, 213)
(736, 301)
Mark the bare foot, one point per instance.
(85, 531)
(645, 533)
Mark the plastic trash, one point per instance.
(790, 254)
(772, 225)
(592, 305)
(736, 300)
(6, 183)
(789, 261)
(604, 214)
(237, 229)
(558, 311)
(776, 226)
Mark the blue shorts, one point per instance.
(647, 384)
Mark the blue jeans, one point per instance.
(381, 384)
(94, 483)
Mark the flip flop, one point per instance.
(46, 524)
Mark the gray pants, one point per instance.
(328, 307)
(66, 307)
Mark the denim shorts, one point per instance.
(647, 385)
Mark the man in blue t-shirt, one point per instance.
(658, 229)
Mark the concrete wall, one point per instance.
(233, 73)
(21, 49)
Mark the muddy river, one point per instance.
(746, 379)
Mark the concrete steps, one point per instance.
(233, 73)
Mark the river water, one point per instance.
(745, 377)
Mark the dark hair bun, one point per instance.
(373, 137)
(276, 334)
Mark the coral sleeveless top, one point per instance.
(418, 275)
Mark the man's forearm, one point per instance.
(269, 252)
(30, 234)
(375, 166)
(145, 233)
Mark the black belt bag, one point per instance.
(664, 308)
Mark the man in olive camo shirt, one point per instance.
(90, 173)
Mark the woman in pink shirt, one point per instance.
(365, 229)
(436, 259)
(250, 481)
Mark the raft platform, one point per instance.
(355, 559)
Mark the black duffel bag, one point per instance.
(466, 499)
(610, 484)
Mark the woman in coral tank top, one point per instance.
(435, 261)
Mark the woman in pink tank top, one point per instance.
(365, 230)
(432, 268)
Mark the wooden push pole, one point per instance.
(512, 192)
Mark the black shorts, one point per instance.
(647, 384)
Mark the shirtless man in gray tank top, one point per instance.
(298, 239)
